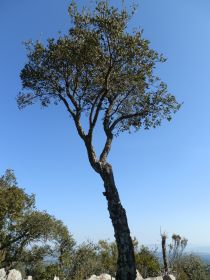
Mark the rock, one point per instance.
(108, 277)
(170, 277)
(93, 277)
(154, 278)
(14, 275)
(2, 274)
(102, 277)
(138, 276)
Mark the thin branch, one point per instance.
(126, 117)
(93, 107)
(120, 103)
(72, 113)
(75, 116)
(93, 122)
(98, 108)
(70, 96)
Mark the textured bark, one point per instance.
(126, 268)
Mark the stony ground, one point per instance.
(16, 275)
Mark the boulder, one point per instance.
(108, 277)
(102, 277)
(2, 274)
(170, 277)
(138, 276)
(154, 278)
(14, 275)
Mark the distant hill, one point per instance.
(201, 251)
(205, 257)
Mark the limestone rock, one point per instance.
(93, 277)
(14, 275)
(138, 276)
(108, 277)
(56, 278)
(29, 278)
(154, 278)
(102, 277)
(170, 277)
(2, 274)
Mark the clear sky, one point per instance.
(163, 175)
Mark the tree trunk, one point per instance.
(126, 268)
(165, 262)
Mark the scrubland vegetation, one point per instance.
(103, 76)
(38, 244)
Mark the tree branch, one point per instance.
(71, 96)
(106, 149)
(86, 138)
(75, 116)
(10, 242)
(126, 117)
(105, 89)
(92, 109)
(120, 103)
(109, 135)
(91, 154)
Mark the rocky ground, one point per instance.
(16, 275)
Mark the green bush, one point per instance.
(147, 263)
(190, 267)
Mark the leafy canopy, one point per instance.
(100, 70)
(27, 235)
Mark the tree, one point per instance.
(28, 236)
(165, 260)
(85, 262)
(147, 263)
(176, 248)
(102, 72)
(190, 267)
(107, 254)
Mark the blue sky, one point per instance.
(162, 175)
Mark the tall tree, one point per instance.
(27, 235)
(105, 73)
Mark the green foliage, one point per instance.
(91, 259)
(185, 266)
(14, 202)
(50, 271)
(85, 262)
(176, 248)
(107, 254)
(99, 67)
(147, 263)
(190, 267)
(29, 236)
